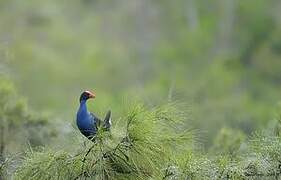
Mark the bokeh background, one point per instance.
(222, 58)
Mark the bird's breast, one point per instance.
(83, 121)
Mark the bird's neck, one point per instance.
(83, 107)
(83, 116)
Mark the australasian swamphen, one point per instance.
(86, 121)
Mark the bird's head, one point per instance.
(87, 95)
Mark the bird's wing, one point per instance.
(96, 120)
(107, 120)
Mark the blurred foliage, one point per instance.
(228, 142)
(221, 57)
(19, 128)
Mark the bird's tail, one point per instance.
(107, 121)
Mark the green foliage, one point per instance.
(49, 164)
(222, 57)
(153, 144)
(140, 145)
(260, 161)
(18, 126)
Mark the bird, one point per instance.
(88, 123)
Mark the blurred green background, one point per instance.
(220, 57)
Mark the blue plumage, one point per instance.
(86, 122)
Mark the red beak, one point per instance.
(91, 95)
